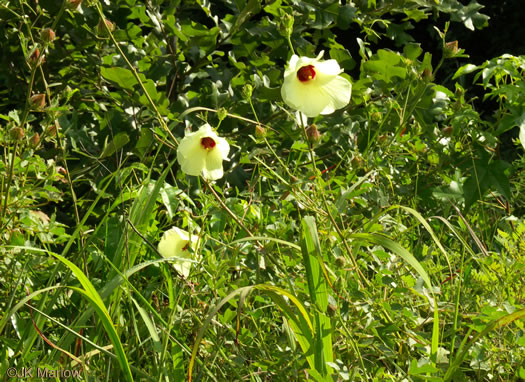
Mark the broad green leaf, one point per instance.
(465, 69)
(385, 65)
(487, 175)
(346, 16)
(470, 16)
(123, 77)
(118, 142)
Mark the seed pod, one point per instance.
(47, 35)
(38, 101)
(101, 29)
(313, 134)
(34, 58)
(427, 75)
(448, 131)
(285, 25)
(376, 116)
(73, 4)
(52, 129)
(35, 139)
(260, 132)
(17, 133)
(451, 49)
(340, 261)
(357, 162)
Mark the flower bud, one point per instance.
(451, 49)
(332, 310)
(101, 29)
(313, 134)
(340, 261)
(52, 129)
(376, 116)
(247, 91)
(447, 131)
(38, 101)
(222, 113)
(35, 139)
(73, 4)
(47, 35)
(357, 162)
(34, 58)
(427, 75)
(260, 132)
(17, 133)
(285, 23)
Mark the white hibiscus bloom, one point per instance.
(176, 242)
(202, 152)
(315, 87)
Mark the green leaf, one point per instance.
(417, 368)
(343, 57)
(465, 69)
(470, 17)
(312, 256)
(157, 346)
(522, 131)
(94, 298)
(118, 142)
(487, 175)
(500, 322)
(385, 65)
(412, 51)
(346, 16)
(123, 77)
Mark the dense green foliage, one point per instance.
(390, 247)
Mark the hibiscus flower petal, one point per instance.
(339, 91)
(224, 147)
(213, 167)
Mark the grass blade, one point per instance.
(500, 322)
(91, 294)
(316, 278)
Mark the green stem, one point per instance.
(13, 155)
(325, 203)
(288, 38)
(230, 212)
(135, 73)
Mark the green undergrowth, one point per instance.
(391, 247)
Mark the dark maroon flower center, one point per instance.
(208, 143)
(306, 73)
(186, 246)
